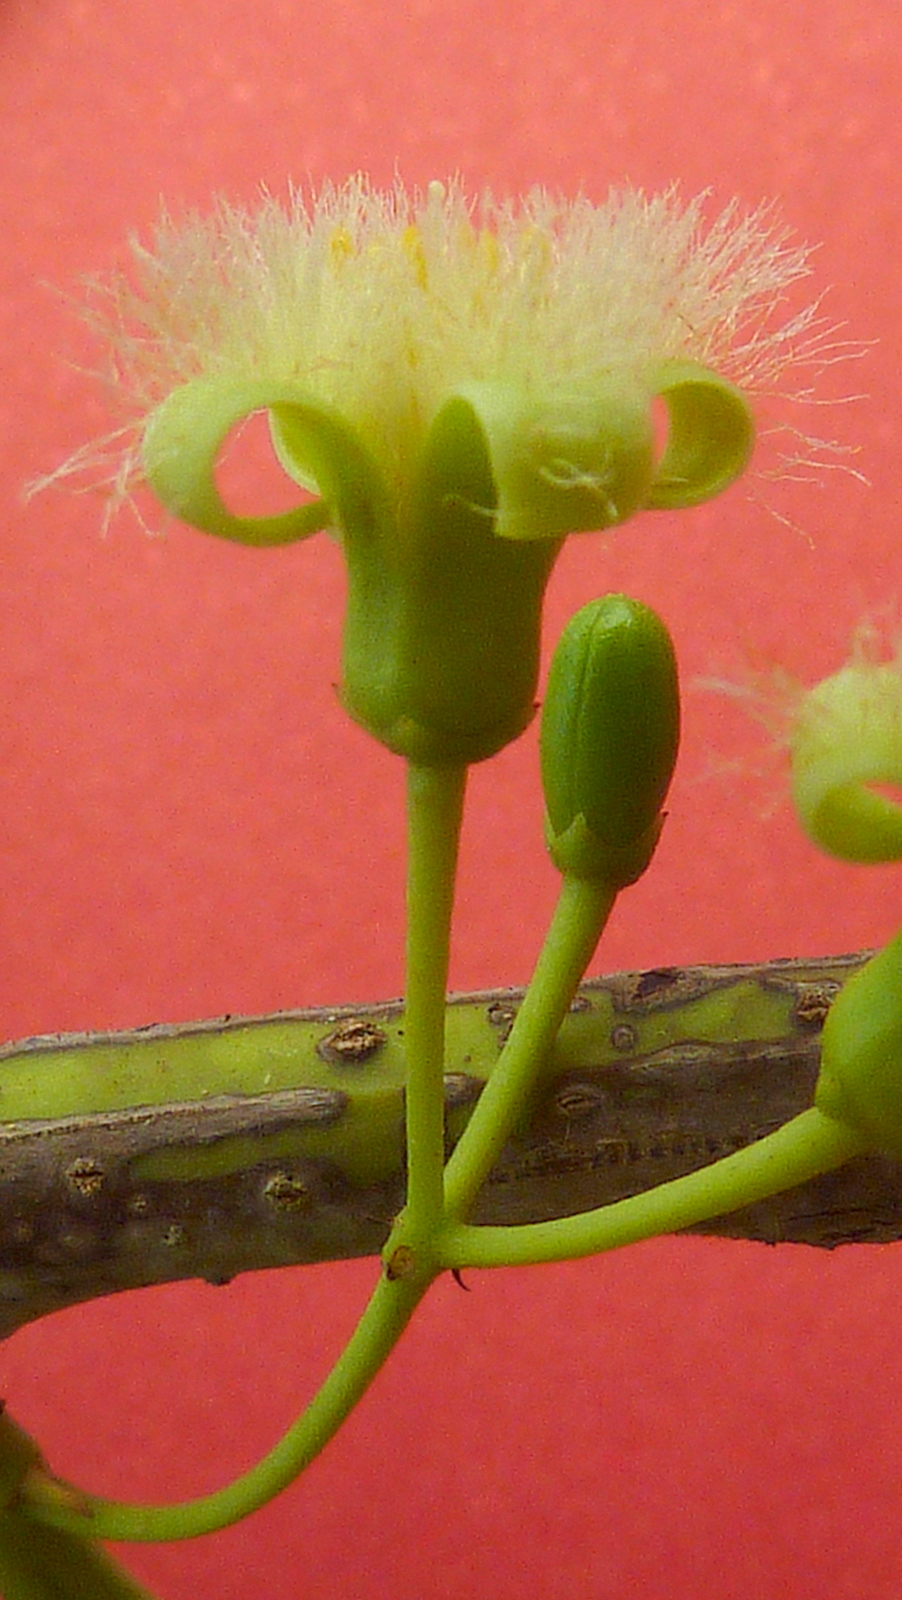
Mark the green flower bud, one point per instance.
(860, 1082)
(609, 738)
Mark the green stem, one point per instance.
(580, 915)
(390, 1308)
(435, 808)
(435, 798)
(808, 1145)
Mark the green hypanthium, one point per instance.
(455, 390)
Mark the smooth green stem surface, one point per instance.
(384, 1320)
(808, 1145)
(580, 915)
(435, 797)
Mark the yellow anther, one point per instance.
(412, 245)
(341, 245)
(487, 251)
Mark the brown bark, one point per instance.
(79, 1218)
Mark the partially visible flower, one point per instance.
(845, 741)
(459, 386)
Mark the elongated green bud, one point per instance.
(860, 1082)
(609, 738)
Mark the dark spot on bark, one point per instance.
(286, 1191)
(501, 1015)
(813, 1002)
(351, 1043)
(86, 1178)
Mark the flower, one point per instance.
(381, 304)
(459, 386)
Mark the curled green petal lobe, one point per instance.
(710, 438)
(564, 463)
(185, 435)
(609, 739)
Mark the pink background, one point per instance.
(189, 826)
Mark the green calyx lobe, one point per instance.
(503, 479)
(860, 1081)
(441, 635)
(609, 739)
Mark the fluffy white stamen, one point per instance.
(381, 303)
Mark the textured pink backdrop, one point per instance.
(189, 826)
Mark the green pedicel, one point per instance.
(810, 1144)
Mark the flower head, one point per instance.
(381, 304)
(459, 386)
